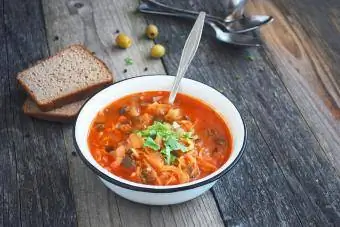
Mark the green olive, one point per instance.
(123, 41)
(157, 51)
(151, 31)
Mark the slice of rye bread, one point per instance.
(71, 75)
(63, 114)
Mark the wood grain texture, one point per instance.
(285, 177)
(94, 24)
(304, 49)
(34, 177)
(289, 175)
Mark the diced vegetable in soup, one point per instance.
(144, 139)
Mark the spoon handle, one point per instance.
(153, 5)
(188, 53)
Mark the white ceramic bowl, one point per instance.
(149, 194)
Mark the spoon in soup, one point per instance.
(188, 53)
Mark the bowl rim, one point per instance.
(157, 190)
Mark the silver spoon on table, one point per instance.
(188, 53)
(245, 24)
(226, 37)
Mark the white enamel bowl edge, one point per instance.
(149, 194)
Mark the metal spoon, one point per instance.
(188, 53)
(154, 5)
(230, 38)
(248, 23)
(237, 11)
(236, 7)
(233, 38)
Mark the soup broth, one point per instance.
(144, 139)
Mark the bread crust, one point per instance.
(64, 100)
(72, 97)
(66, 114)
(51, 117)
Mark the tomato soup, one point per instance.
(144, 139)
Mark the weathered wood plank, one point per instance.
(94, 23)
(304, 47)
(34, 174)
(9, 193)
(285, 177)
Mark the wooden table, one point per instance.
(288, 92)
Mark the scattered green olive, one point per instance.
(123, 41)
(157, 51)
(151, 31)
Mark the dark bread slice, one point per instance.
(63, 114)
(71, 75)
